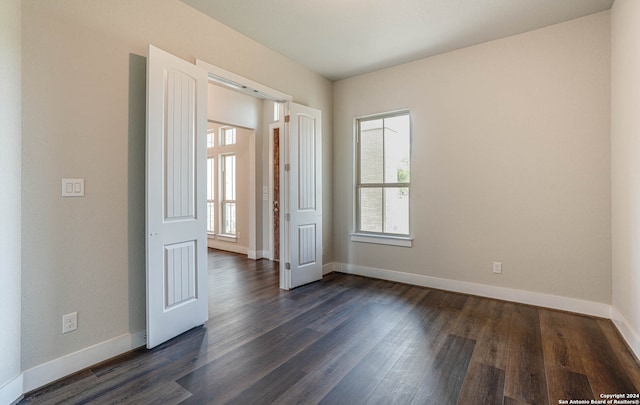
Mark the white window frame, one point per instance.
(377, 237)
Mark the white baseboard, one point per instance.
(50, 371)
(258, 254)
(12, 391)
(483, 290)
(328, 268)
(229, 247)
(627, 332)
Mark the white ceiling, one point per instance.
(343, 38)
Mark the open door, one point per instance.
(176, 243)
(302, 194)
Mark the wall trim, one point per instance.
(229, 247)
(627, 332)
(507, 294)
(328, 268)
(257, 254)
(55, 369)
(12, 391)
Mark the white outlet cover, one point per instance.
(69, 322)
(497, 267)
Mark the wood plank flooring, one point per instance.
(353, 340)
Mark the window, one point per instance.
(228, 180)
(227, 136)
(383, 145)
(211, 195)
(211, 182)
(210, 137)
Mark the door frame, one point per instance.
(249, 87)
(271, 185)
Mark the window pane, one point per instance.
(229, 218)
(210, 137)
(227, 136)
(211, 226)
(371, 152)
(366, 125)
(371, 209)
(396, 149)
(210, 195)
(229, 177)
(396, 210)
(210, 179)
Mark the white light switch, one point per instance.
(73, 187)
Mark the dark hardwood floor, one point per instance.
(352, 340)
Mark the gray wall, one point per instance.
(510, 161)
(10, 166)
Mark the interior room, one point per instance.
(524, 143)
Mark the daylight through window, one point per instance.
(227, 136)
(228, 166)
(383, 178)
(211, 183)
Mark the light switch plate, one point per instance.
(73, 187)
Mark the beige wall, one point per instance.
(510, 161)
(625, 163)
(10, 162)
(84, 116)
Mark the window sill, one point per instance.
(403, 241)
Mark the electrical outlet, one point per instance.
(69, 322)
(497, 267)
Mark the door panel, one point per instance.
(176, 215)
(303, 230)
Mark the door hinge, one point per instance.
(287, 266)
(287, 167)
(287, 217)
(287, 118)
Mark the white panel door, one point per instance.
(176, 243)
(303, 196)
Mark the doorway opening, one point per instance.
(231, 182)
(300, 191)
